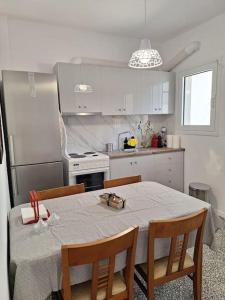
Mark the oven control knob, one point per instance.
(76, 165)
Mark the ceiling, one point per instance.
(165, 18)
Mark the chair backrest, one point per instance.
(121, 181)
(60, 192)
(175, 229)
(94, 253)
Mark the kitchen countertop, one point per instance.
(139, 152)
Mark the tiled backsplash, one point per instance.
(93, 132)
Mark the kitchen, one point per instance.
(37, 46)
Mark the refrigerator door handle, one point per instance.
(14, 182)
(11, 149)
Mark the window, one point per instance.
(196, 99)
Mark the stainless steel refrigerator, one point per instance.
(31, 116)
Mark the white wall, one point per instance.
(205, 155)
(38, 46)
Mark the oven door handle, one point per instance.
(89, 171)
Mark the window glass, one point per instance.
(197, 98)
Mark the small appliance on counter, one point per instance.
(126, 141)
(130, 143)
(163, 135)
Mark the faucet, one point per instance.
(119, 135)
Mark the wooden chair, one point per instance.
(121, 181)
(178, 263)
(105, 284)
(60, 192)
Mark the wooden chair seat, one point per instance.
(160, 266)
(82, 291)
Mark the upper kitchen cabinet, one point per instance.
(160, 88)
(135, 92)
(73, 101)
(115, 90)
(117, 98)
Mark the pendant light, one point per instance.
(145, 57)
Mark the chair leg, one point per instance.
(197, 285)
(150, 292)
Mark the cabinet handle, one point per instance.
(170, 181)
(11, 150)
(135, 162)
(169, 170)
(169, 158)
(131, 163)
(14, 182)
(124, 109)
(160, 108)
(156, 109)
(85, 106)
(79, 106)
(119, 109)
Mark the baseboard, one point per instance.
(220, 213)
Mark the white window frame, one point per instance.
(197, 129)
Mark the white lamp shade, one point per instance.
(145, 57)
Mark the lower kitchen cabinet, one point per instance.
(139, 165)
(165, 168)
(169, 170)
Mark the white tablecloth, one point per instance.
(35, 263)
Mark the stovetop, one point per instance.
(86, 160)
(89, 154)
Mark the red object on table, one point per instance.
(35, 204)
(154, 142)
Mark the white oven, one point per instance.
(90, 169)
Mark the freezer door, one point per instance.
(31, 109)
(35, 177)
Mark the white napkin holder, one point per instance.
(29, 216)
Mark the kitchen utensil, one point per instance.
(109, 147)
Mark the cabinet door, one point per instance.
(69, 75)
(113, 93)
(142, 93)
(157, 98)
(136, 165)
(90, 75)
(145, 167)
(168, 94)
(122, 167)
(163, 91)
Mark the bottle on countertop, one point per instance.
(154, 142)
(139, 135)
(125, 143)
(160, 142)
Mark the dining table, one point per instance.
(35, 257)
